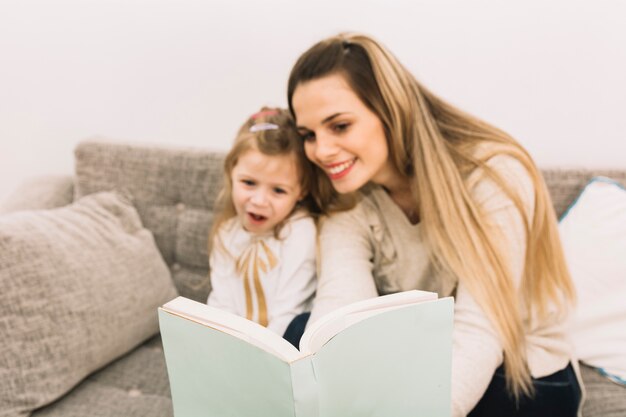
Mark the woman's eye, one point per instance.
(307, 136)
(340, 127)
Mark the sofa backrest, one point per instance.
(565, 184)
(175, 189)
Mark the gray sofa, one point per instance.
(174, 192)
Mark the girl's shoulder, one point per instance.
(230, 238)
(229, 228)
(299, 223)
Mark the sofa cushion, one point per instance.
(80, 287)
(135, 385)
(602, 398)
(174, 191)
(593, 232)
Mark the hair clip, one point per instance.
(263, 126)
(264, 113)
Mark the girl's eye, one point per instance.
(249, 183)
(279, 191)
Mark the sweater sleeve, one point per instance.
(296, 283)
(345, 265)
(477, 349)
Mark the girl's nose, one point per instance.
(259, 197)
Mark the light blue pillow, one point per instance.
(593, 233)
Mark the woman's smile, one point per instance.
(339, 170)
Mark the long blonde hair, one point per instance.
(282, 141)
(435, 147)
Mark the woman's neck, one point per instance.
(402, 195)
(398, 188)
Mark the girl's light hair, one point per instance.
(436, 147)
(272, 142)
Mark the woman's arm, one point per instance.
(345, 262)
(477, 350)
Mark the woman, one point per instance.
(446, 203)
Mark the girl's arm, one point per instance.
(296, 281)
(223, 291)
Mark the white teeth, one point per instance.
(339, 168)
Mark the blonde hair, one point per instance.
(436, 147)
(272, 142)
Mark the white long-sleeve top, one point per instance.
(262, 278)
(373, 249)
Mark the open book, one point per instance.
(387, 356)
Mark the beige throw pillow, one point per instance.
(80, 286)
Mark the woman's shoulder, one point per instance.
(500, 157)
(507, 174)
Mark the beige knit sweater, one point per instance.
(373, 249)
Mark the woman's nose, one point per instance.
(325, 148)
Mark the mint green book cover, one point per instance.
(394, 364)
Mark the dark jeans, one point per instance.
(294, 331)
(556, 395)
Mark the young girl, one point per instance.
(262, 244)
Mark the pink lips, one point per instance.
(336, 172)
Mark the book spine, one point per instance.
(305, 389)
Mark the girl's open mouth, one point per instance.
(256, 217)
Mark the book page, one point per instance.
(320, 332)
(234, 325)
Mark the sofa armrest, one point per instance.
(43, 192)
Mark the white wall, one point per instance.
(185, 72)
